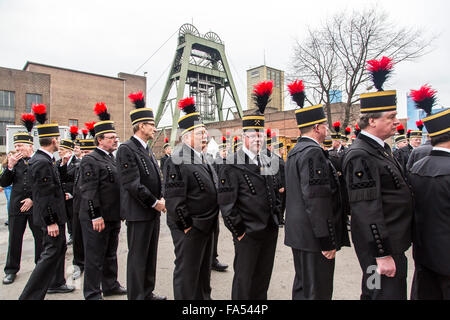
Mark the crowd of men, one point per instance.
(388, 201)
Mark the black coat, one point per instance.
(190, 190)
(419, 153)
(19, 178)
(402, 155)
(248, 200)
(140, 181)
(430, 179)
(48, 196)
(100, 187)
(380, 198)
(315, 220)
(68, 180)
(162, 161)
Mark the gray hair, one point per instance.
(363, 121)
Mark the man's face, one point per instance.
(385, 126)
(77, 151)
(336, 144)
(23, 148)
(322, 129)
(197, 139)
(110, 142)
(223, 153)
(85, 152)
(168, 150)
(148, 129)
(254, 140)
(62, 152)
(402, 144)
(415, 142)
(55, 143)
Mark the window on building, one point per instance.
(277, 80)
(73, 122)
(33, 98)
(7, 101)
(254, 74)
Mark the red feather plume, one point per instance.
(401, 129)
(296, 87)
(261, 94)
(385, 64)
(136, 96)
(183, 103)
(90, 125)
(84, 131)
(39, 108)
(224, 140)
(419, 125)
(424, 98)
(166, 140)
(74, 129)
(100, 108)
(28, 120)
(269, 133)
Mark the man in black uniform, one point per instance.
(100, 211)
(49, 213)
(404, 149)
(167, 153)
(17, 174)
(86, 147)
(68, 146)
(141, 202)
(315, 221)
(249, 205)
(192, 210)
(274, 147)
(220, 159)
(380, 197)
(430, 179)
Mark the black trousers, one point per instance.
(78, 245)
(313, 276)
(69, 212)
(49, 271)
(143, 239)
(100, 259)
(429, 285)
(376, 287)
(253, 264)
(16, 227)
(193, 258)
(216, 240)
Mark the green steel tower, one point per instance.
(200, 63)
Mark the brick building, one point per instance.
(70, 95)
(265, 73)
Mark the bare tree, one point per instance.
(336, 53)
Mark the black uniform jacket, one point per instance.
(402, 155)
(190, 191)
(68, 180)
(380, 198)
(140, 181)
(99, 187)
(48, 196)
(315, 220)
(430, 178)
(19, 178)
(248, 200)
(419, 153)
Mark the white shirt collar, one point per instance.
(70, 160)
(144, 144)
(441, 149)
(199, 154)
(48, 153)
(378, 140)
(106, 152)
(311, 139)
(250, 154)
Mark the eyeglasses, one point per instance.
(112, 138)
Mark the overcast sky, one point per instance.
(108, 37)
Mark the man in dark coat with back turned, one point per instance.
(430, 179)
(315, 221)
(141, 202)
(49, 213)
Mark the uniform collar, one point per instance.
(311, 139)
(250, 154)
(441, 149)
(371, 136)
(143, 143)
(47, 153)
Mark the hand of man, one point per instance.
(27, 204)
(281, 190)
(66, 158)
(98, 224)
(53, 230)
(330, 255)
(241, 237)
(161, 205)
(187, 230)
(13, 159)
(386, 266)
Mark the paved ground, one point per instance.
(346, 284)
